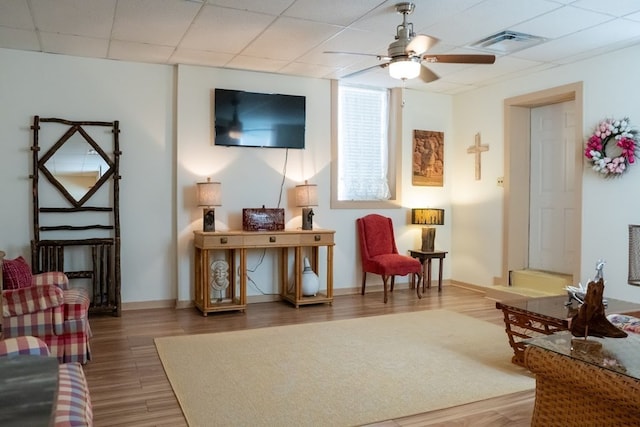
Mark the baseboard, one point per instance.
(257, 299)
(147, 305)
(465, 285)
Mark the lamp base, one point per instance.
(428, 239)
(208, 219)
(307, 219)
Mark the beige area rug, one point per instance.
(340, 373)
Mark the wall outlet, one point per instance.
(501, 181)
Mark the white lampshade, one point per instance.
(404, 69)
(306, 195)
(209, 193)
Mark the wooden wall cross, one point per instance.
(478, 149)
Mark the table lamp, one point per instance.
(209, 195)
(306, 196)
(427, 216)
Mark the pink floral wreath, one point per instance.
(608, 159)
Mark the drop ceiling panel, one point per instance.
(325, 10)
(141, 51)
(200, 57)
(74, 45)
(616, 8)
(19, 39)
(313, 70)
(482, 20)
(162, 22)
(268, 65)
(348, 40)
(16, 14)
(562, 49)
(289, 38)
(572, 19)
(92, 18)
(271, 7)
(481, 73)
(219, 29)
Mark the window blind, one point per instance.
(363, 143)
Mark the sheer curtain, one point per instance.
(363, 143)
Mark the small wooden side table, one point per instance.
(425, 258)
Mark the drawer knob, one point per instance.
(224, 240)
(272, 239)
(317, 237)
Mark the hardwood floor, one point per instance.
(129, 388)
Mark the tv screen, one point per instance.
(249, 119)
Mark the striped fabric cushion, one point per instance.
(73, 407)
(28, 345)
(51, 278)
(30, 300)
(76, 303)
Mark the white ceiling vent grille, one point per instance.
(506, 42)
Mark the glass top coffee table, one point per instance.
(582, 382)
(530, 317)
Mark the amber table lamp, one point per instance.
(307, 196)
(209, 195)
(427, 216)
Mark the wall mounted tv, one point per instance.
(249, 119)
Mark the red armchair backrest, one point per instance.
(376, 237)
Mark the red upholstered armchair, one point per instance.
(380, 255)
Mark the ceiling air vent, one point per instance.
(506, 42)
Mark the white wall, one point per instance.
(164, 115)
(252, 177)
(140, 96)
(609, 205)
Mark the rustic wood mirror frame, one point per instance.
(103, 249)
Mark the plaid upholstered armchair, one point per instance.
(72, 405)
(43, 305)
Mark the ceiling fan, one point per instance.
(405, 56)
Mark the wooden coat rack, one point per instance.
(94, 248)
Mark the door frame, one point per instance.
(517, 149)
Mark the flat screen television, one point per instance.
(249, 119)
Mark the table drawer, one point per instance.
(221, 241)
(312, 239)
(268, 239)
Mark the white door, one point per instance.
(552, 217)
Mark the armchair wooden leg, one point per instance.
(384, 285)
(393, 282)
(417, 285)
(364, 281)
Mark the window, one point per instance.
(364, 167)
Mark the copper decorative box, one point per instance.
(262, 219)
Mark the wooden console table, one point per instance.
(236, 243)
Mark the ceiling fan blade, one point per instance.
(355, 73)
(426, 75)
(460, 59)
(420, 44)
(336, 52)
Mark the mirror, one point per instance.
(76, 165)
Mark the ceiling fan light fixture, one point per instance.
(404, 69)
